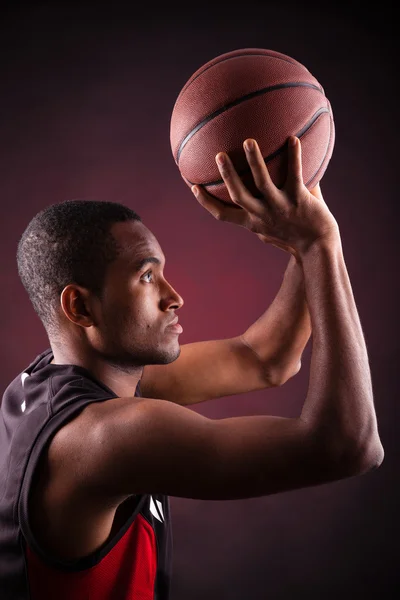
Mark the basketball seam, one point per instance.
(268, 158)
(325, 155)
(226, 107)
(226, 58)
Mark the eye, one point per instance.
(148, 273)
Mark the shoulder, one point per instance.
(66, 523)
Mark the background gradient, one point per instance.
(86, 97)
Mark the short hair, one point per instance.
(68, 242)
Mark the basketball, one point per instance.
(250, 93)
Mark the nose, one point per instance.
(171, 298)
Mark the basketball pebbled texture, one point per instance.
(250, 93)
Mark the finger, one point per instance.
(294, 178)
(237, 190)
(218, 209)
(285, 248)
(258, 168)
(270, 240)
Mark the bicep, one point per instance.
(154, 446)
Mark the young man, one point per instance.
(94, 434)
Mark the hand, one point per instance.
(291, 218)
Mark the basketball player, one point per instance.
(95, 434)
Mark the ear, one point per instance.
(75, 304)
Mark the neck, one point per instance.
(122, 382)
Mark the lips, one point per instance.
(173, 322)
(174, 326)
(177, 328)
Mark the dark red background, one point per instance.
(86, 97)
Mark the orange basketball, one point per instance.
(250, 93)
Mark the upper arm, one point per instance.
(205, 370)
(152, 446)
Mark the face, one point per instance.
(138, 303)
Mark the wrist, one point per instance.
(328, 242)
(293, 268)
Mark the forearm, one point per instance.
(339, 401)
(280, 335)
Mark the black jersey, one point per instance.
(135, 563)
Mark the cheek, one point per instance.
(134, 305)
(143, 307)
(145, 315)
(118, 307)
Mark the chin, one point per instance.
(162, 356)
(169, 355)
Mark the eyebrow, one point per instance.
(138, 265)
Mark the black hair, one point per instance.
(68, 242)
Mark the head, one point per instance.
(95, 276)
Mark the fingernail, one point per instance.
(249, 145)
(293, 140)
(195, 190)
(220, 158)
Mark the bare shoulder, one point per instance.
(67, 522)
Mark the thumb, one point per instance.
(316, 191)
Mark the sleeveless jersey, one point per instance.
(134, 565)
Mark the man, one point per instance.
(87, 466)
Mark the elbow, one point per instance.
(357, 461)
(345, 455)
(370, 458)
(283, 375)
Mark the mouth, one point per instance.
(174, 327)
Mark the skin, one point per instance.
(115, 337)
(122, 340)
(163, 447)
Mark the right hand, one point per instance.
(291, 217)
